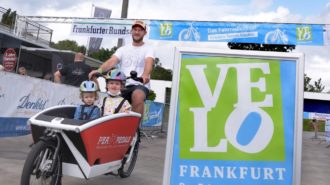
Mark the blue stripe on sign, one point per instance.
(13, 127)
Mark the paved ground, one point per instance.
(315, 160)
(149, 167)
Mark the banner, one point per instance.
(22, 97)
(153, 114)
(316, 115)
(112, 28)
(262, 33)
(233, 119)
(94, 42)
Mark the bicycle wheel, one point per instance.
(185, 35)
(270, 38)
(36, 169)
(126, 169)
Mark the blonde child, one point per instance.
(88, 94)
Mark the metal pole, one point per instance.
(124, 11)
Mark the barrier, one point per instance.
(22, 97)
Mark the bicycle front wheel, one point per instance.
(37, 167)
(185, 35)
(127, 167)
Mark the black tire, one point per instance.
(32, 174)
(127, 168)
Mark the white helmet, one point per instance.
(88, 86)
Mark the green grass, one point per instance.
(307, 126)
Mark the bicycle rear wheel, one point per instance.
(37, 166)
(127, 167)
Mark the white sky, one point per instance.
(317, 61)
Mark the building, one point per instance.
(26, 43)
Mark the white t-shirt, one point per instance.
(132, 58)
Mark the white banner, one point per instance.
(22, 97)
(115, 29)
(319, 116)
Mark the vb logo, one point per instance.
(234, 115)
(304, 33)
(166, 29)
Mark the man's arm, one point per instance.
(106, 66)
(57, 77)
(149, 63)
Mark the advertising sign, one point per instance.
(240, 32)
(235, 118)
(153, 114)
(107, 28)
(33, 96)
(9, 59)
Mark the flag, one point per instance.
(94, 42)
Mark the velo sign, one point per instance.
(235, 118)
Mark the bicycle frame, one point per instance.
(276, 36)
(91, 148)
(189, 33)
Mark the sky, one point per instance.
(317, 59)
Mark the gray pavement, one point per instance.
(149, 167)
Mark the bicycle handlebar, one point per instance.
(133, 76)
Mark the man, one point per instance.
(75, 73)
(137, 56)
(22, 71)
(315, 125)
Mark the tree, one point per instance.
(308, 87)
(9, 18)
(318, 87)
(152, 95)
(103, 54)
(160, 73)
(68, 45)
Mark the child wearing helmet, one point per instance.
(88, 95)
(114, 103)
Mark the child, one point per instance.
(114, 103)
(88, 94)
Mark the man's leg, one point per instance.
(138, 97)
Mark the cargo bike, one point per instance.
(83, 149)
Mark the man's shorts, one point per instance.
(128, 91)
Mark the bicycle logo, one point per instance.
(189, 34)
(276, 37)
